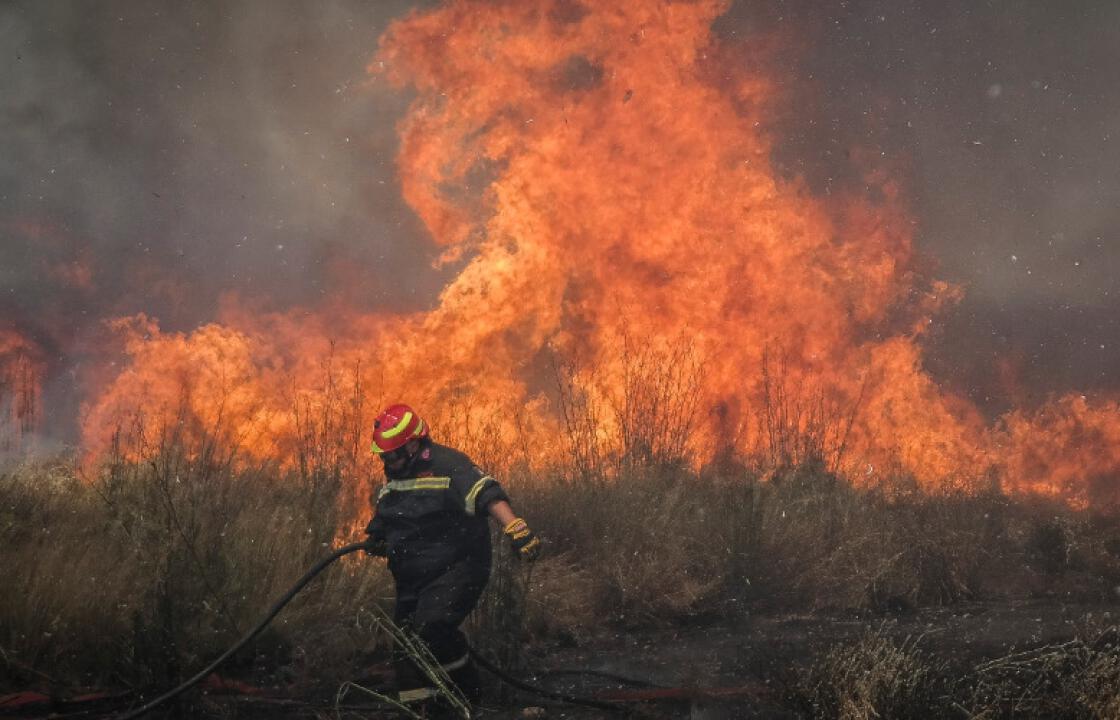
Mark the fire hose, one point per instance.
(287, 597)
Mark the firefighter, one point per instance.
(431, 523)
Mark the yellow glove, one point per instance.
(527, 545)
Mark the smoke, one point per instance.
(155, 157)
(1003, 121)
(158, 157)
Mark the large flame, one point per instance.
(602, 174)
(1069, 448)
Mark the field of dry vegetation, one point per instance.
(135, 574)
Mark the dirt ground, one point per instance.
(710, 670)
(740, 670)
(716, 670)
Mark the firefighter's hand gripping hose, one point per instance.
(287, 597)
(523, 540)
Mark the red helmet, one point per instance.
(395, 426)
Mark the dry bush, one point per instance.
(912, 552)
(874, 678)
(1073, 554)
(473, 431)
(819, 542)
(655, 408)
(1041, 547)
(584, 446)
(642, 539)
(1076, 680)
(562, 602)
(667, 544)
(626, 506)
(799, 423)
(329, 453)
(806, 517)
(654, 555)
(62, 612)
(733, 521)
(164, 559)
(552, 599)
(879, 677)
(646, 421)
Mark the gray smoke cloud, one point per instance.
(199, 147)
(155, 155)
(1004, 119)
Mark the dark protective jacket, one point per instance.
(433, 514)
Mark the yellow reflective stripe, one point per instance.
(382, 492)
(375, 448)
(399, 427)
(472, 496)
(417, 694)
(424, 483)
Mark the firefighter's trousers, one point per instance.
(433, 610)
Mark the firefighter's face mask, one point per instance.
(396, 459)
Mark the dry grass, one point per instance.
(881, 677)
(158, 565)
(640, 543)
(1076, 680)
(159, 562)
(875, 677)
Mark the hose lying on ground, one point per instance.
(276, 608)
(287, 597)
(541, 692)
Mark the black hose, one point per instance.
(541, 692)
(606, 675)
(287, 598)
(284, 600)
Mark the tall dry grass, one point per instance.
(144, 572)
(875, 677)
(140, 572)
(880, 676)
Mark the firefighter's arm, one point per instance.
(375, 542)
(523, 540)
(482, 493)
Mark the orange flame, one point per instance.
(603, 172)
(1069, 448)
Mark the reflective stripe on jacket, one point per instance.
(433, 513)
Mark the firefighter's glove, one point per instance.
(375, 543)
(527, 545)
(376, 547)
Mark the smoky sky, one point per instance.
(155, 156)
(1003, 121)
(192, 148)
